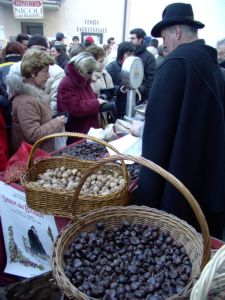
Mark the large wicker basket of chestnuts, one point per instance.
(132, 252)
(67, 186)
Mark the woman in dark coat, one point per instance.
(76, 97)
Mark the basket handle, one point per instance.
(66, 134)
(175, 182)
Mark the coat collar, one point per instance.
(17, 87)
(77, 79)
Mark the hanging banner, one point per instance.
(28, 9)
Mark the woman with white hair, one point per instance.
(76, 97)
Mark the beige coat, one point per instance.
(31, 115)
(101, 81)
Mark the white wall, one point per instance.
(109, 14)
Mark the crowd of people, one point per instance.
(183, 86)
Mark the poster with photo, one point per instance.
(28, 234)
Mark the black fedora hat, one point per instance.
(176, 13)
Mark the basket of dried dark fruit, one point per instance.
(57, 185)
(132, 252)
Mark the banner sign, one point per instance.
(28, 9)
(28, 234)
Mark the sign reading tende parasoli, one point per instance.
(28, 9)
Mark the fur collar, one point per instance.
(17, 87)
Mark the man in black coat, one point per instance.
(137, 36)
(184, 123)
(125, 49)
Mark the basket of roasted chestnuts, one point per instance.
(132, 252)
(67, 186)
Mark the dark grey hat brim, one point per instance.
(156, 30)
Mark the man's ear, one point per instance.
(178, 32)
(141, 40)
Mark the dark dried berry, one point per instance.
(97, 291)
(173, 274)
(133, 269)
(169, 240)
(135, 285)
(77, 263)
(122, 279)
(120, 291)
(177, 260)
(113, 285)
(140, 294)
(100, 226)
(151, 281)
(166, 287)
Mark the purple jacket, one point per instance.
(76, 97)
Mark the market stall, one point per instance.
(45, 287)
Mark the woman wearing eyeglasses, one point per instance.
(76, 97)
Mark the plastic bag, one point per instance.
(17, 164)
(106, 134)
(60, 142)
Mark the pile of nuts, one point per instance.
(68, 179)
(130, 261)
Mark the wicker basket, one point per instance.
(211, 284)
(196, 245)
(42, 287)
(66, 203)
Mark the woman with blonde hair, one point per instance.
(76, 96)
(31, 113)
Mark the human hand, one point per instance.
(61, 119)
(101, 101)
(137, 128)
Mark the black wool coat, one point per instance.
(185, 134)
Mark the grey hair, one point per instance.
(190, 30)
(76, 49)
(84, 62)
(221, 42)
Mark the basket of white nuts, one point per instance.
(66, 186)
